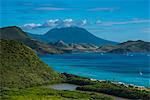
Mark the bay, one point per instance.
(131, 68)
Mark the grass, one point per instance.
(40, 93)
(21, 67)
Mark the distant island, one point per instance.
(72, 34)
(58, 41)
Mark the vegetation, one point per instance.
(117, 90)
(13, 33)
(74, 79)
(107, 87)
(16, 33)
(40, 93)
(20, 67)
(22, 71)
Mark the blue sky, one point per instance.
(117, 20)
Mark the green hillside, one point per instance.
(13, 32)
(16, 33)
(20, 66)
(23, 74)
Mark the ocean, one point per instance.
(131, 68)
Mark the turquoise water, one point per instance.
(129, 68)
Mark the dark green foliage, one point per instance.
(107, 87)
(74, 79)
(20, 67)
(80, 81)
(116, 90)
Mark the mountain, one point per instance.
(71, 35)
(15, 33)
(20, 67)
(129, 46)
(132, 46)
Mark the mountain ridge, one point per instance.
(128, 46)
(132, 46)
(16, 33)
(71, 35)
(60, 46)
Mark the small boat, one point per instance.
(141, 73)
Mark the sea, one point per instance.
(130, 68)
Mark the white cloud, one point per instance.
(68, 22)
(59, 23)
(52, 23)
(31, 26)
(83, 22)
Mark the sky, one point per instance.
(116, 20)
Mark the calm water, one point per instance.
(129, 68)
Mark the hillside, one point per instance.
(129, 46)
(23, 74)
(132, 46)
(15, 33)
(20, 67)
(71, 35)
(73, 47)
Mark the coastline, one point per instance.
(118, 89)
(125, 84)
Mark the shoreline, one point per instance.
(113, 82)
(125, 84)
